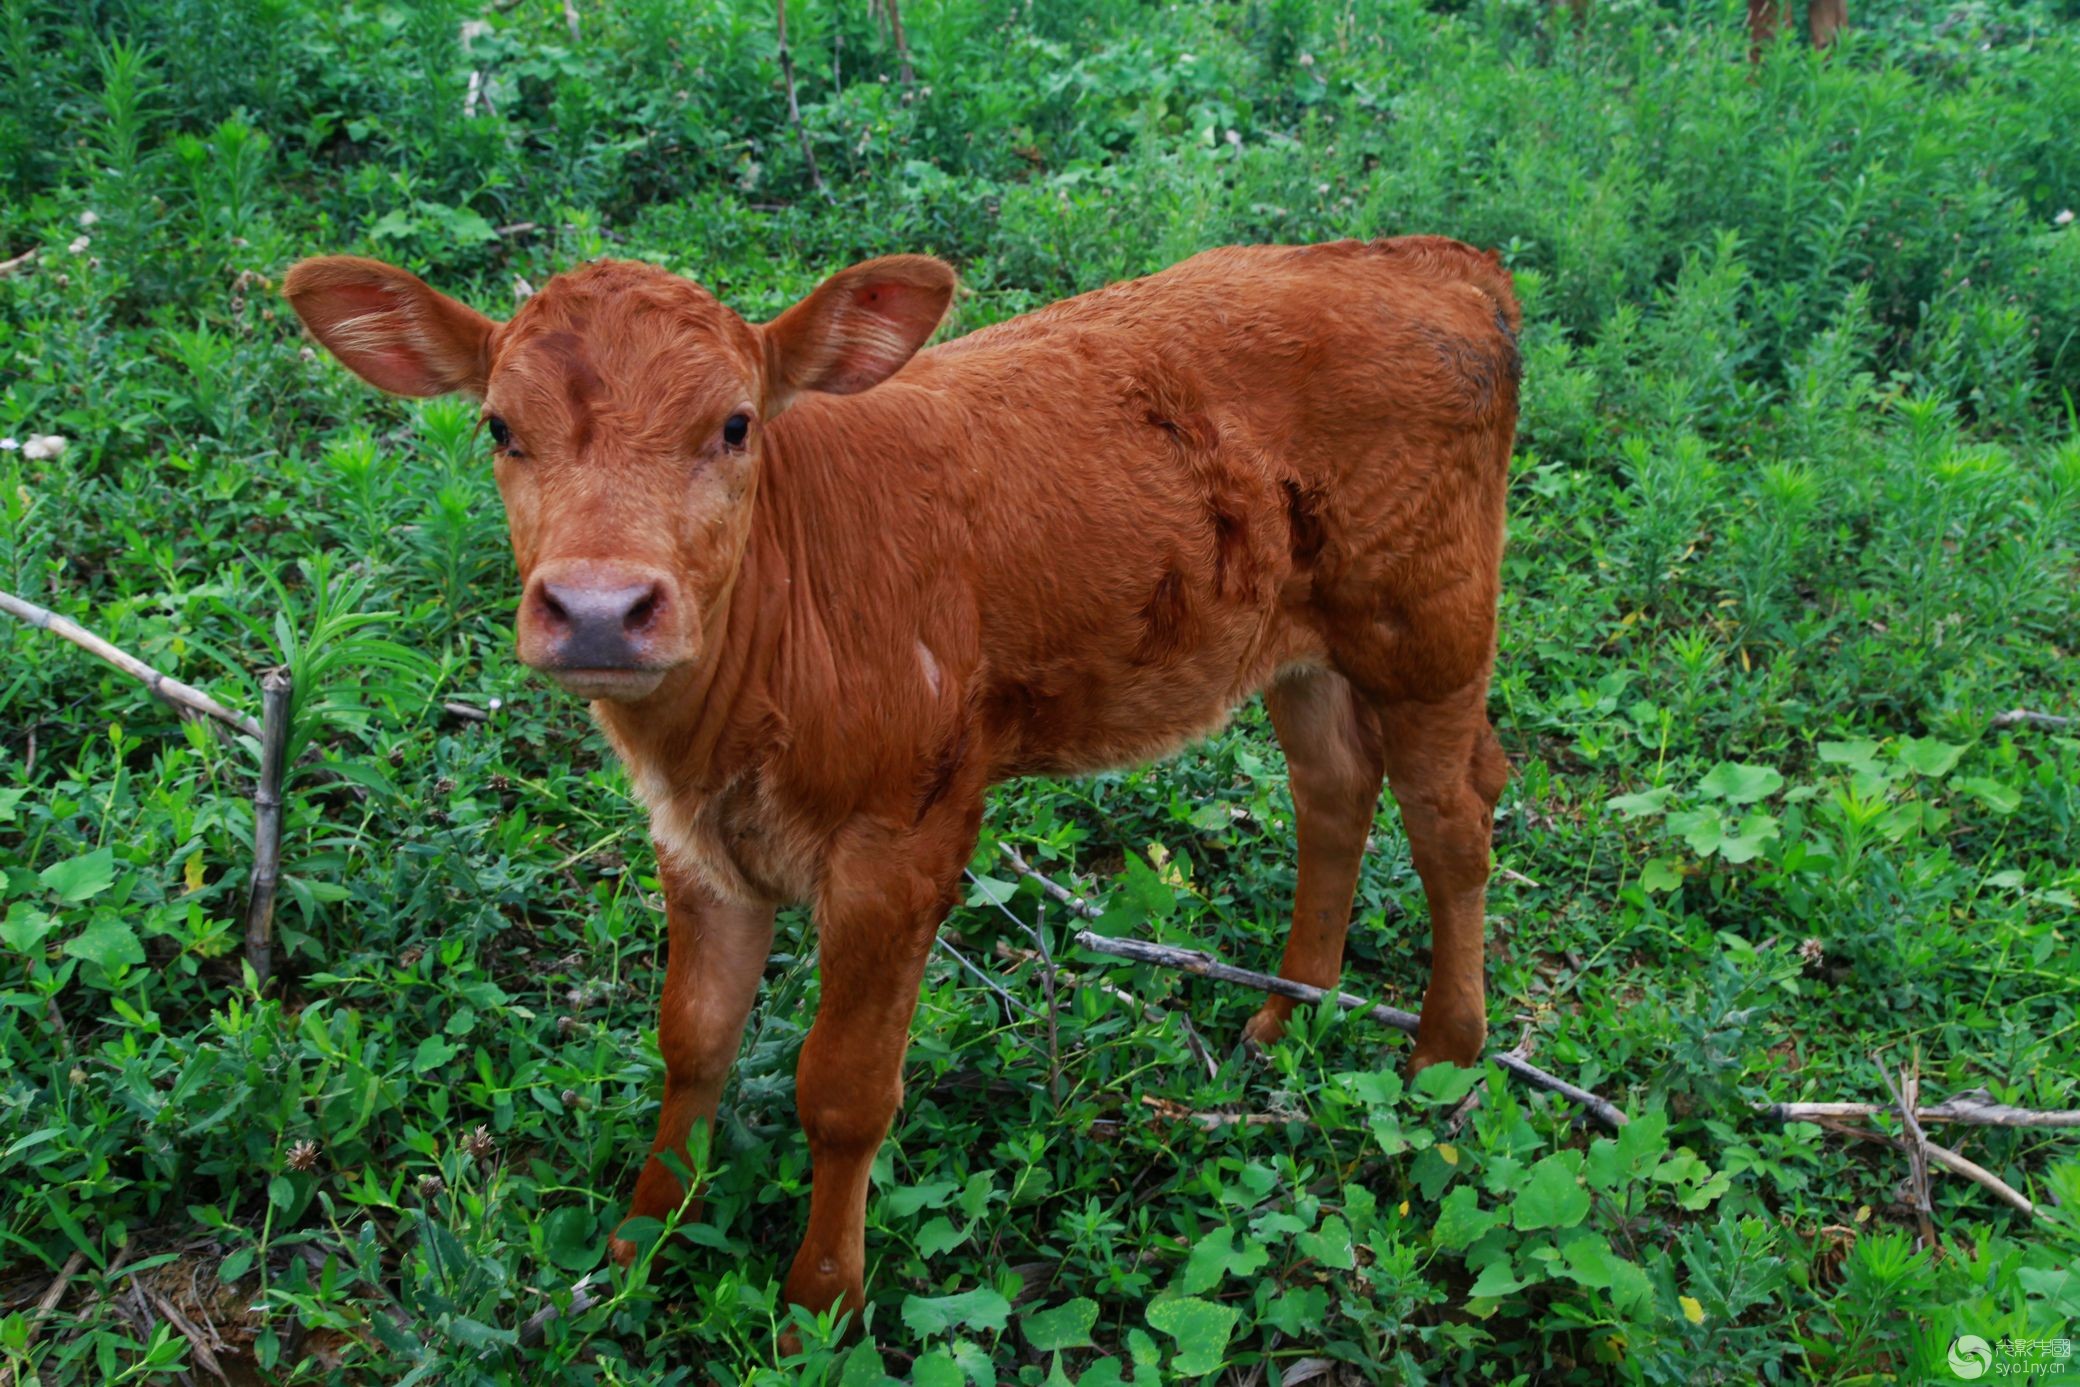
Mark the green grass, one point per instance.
(1796, 511)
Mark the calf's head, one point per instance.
(626, 411)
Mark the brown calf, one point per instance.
(819, 620)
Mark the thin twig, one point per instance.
(275, 692)
(570, 17)
(895, 28)
(1054, 1037)
(45, 1304)
(1975, 1107)
(794, 110)
(188, 1331)
(2024, 717)
(537, 1324)
(8, 267)
(465, 712)
(1941, 1156)
(987, 981)
(1214, 1121)
(1916, 1147)
(1205, 965)
(184, 696)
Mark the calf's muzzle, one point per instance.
(602, 630)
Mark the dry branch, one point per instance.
(794, 110)
(1206, 966)
(537, 1324)
(1975, 1107)
(182, 696)
(8, 267)
(1940, 1156)
(2024, 717)
(1904, 1095)
(275, 691)
(52, 1294)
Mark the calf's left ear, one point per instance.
(389, 328)
(859, 326)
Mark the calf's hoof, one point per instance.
(1264, 1030)
(1448, 1043)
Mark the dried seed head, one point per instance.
(444, 786)
(1812, 952)
(479, 1143)
(431, 1185)
(500, 783)
(303, 1156)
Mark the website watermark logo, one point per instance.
(1971, 1357)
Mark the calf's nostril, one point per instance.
(639, 615)
(552, 608)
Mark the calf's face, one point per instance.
(626, 410)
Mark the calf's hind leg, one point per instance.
(1447, 770)
(1331, 739)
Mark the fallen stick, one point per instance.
(275, 692)
(52, 1294)
(169, 1312)
(1214, 1121)
(1206, 966)
(165, 686)
(1975, 1107)
(8, 267)
(794, 110)
(1942, 1157)
(537, 1324)
(1904, 1096)
(2025, 717)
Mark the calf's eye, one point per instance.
(736, 429)
(500, 434)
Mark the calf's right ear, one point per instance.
(389, 328)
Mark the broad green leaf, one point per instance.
(1551, 1197)
(1996, 795)
(1645, 802)
(939, 1235)
(933, 1194)
(937, 1369)
(1633, 1153)
(1496, 1279)
(1738, 782)
(988, 890)
(107, 941)
(1857, 755)
(1446, 1083)
(80, 877)
(1201, 1329)
(864, 1368)
(1215, 1257)
(1588, 1259)
(567, 1236)
(1331, 1246)
(1460, 1219)
(25, 928)
(981, 1309)
(1745, 845)
(1067, 1325)
(1703, 829)
(433, 1052)
(1927, 756)
(1660, 874)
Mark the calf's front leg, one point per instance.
(885, 893)
(717, 954)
